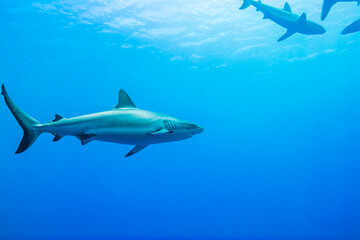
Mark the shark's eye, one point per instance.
(169, 124)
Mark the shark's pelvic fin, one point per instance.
(136, 149)
(287, 7)
(85, 138)
(27, 123)
(124, 100)
(57, 118)
(288, 34)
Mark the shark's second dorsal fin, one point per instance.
(124, 100)
(287, 7)
(302, 19)
(57, 118)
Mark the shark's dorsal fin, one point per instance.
(124, 100)
(288, 34)
(287, 7)
(57, 118)
(302, 19)
(136, 149)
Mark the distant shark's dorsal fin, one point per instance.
(57, 118)
(288, 34)
(136, 149)
(287, 7)
(124, 100)
(302, 19)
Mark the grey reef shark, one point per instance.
(124, 124)
(287, 19)
(327, 5)
(354, 27)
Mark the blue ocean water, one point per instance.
(279, 157)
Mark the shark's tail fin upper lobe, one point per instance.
(27, 123)
(246, 4)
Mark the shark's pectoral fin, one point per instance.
(57, 137)
(287, 7)
(57, 118)
(161, 131)
(85, 138)
(136, 149)
(288, 34)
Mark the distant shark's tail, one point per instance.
(26, 122)
(246, 4)
(327, 5)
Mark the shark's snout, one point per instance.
(321, 30)
(197, 130)
(318, 29)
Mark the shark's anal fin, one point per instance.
(124, 100)
(57, 118)
(161, 131)
(136, 149)
(288, 34)
(85, 138)
(287, 7)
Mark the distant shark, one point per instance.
(327, 5)
(287, 19)
(354, 27)
(125, 124)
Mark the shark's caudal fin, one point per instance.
(327, 5)
(246, 4)
(26, 122)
